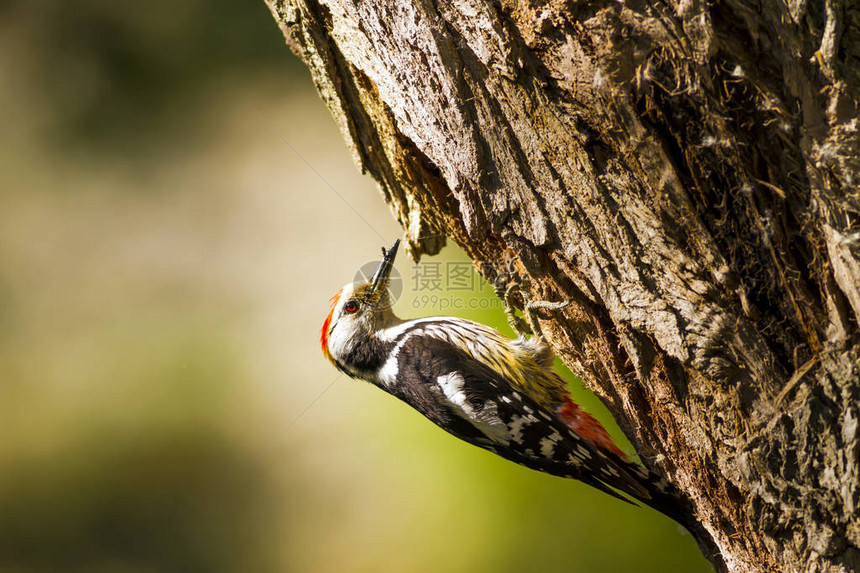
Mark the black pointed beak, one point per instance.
(380, 278)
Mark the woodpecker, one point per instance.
(484, 388)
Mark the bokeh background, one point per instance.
(176, 208)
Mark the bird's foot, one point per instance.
(515, 298)
(535, 307)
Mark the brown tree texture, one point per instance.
(687, 172)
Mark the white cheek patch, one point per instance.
(341, 331)
(337, 342)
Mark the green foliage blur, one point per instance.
(177, 207)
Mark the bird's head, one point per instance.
(358, 311)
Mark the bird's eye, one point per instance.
(351, 306)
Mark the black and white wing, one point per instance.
(475, 403)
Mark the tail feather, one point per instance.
(662, 495)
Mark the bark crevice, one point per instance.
(687, 173)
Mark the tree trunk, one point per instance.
(687, 172)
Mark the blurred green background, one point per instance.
(166, 261)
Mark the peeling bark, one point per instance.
(687, 173)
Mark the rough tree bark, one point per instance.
(687, 173)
